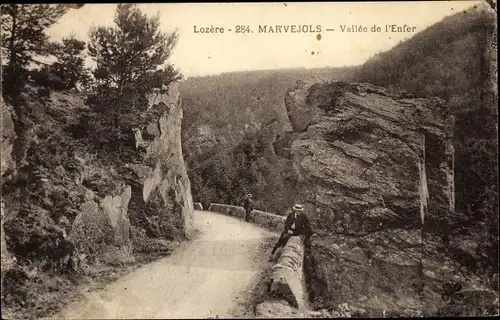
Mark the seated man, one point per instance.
(296, 224)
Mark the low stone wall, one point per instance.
(285, 295)
(268, 220)
(287, 274)
(264, 219)
(197, 206)
(227, 209)
(285, 292)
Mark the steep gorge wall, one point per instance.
(372, 168)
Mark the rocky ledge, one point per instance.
(374, 171)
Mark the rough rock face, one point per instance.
(160, 181)
(372, 168)
(104, 226)
(74, 203)
(8, 136)
(7, 163)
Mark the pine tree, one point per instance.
(129, 57)
(23, 36)
(70, 64)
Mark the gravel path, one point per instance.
(211, 275)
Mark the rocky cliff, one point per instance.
(373, 171)
(162, 199)
(7, 164)
(75, 204)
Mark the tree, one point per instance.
(23, 36)
(23, 27)
(69, 66)
(129, 58)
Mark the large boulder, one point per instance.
(103, 228)
(372, 169)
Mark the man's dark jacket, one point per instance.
(302, 225)
(247, 204)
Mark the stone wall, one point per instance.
(197, 206)
(264, 219)
(227, 209)
(284, 295)
(287, 274)
(268, 220)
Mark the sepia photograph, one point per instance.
(249, 160)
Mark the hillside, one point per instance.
(248, 97)
(237, 102)
(227, 111)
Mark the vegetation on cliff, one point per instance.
(70, 193)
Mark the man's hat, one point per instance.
(249, 195)
(298, 207)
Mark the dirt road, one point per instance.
(211, 275)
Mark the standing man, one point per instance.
(248, 205)
(296, 224)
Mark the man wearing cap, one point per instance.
(296, 224)
(248, 205)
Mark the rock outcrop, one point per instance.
(372, 169)
(74, 203)
(161, 191)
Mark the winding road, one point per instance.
(211, 275)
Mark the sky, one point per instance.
(203, 53)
